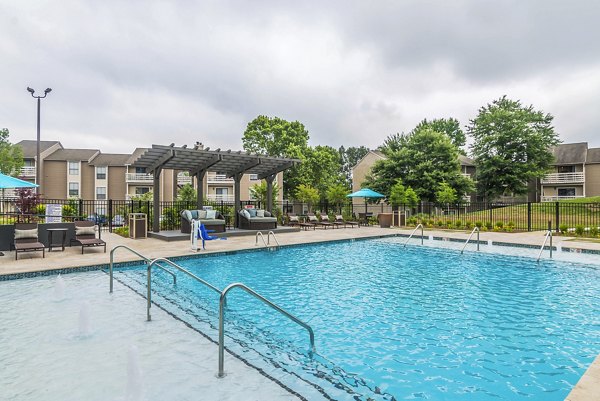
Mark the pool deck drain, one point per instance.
(587, 388)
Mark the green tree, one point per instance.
(350, 158)
(448, 126)
(393, 143)
(11, 156)
(274, 136)
(445, 194)
(307, 194)
(336, 195)
(412, 199)
(259, 192)
(397, 194)
(511, 146)
(424, 160)
(321, 169)
(187, 193)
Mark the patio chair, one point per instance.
(26, 239)
(85, 235)
(326, 223)
(312, 219)
(293, 220)
(339, 219)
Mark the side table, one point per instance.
(51, 242)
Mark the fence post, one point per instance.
(110, 215)
(80, 211)
(528, 216)
(491, 213)
(557, 215)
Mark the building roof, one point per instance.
(593, 156)
(30, 147)
(466, 161)
(73, 154)
(570, 153)
(136, 153)
(110, 159)
(227, 162)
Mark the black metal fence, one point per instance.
(516, 216)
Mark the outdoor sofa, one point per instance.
(256, 219)
(212, 220)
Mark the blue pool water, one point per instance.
(400, 323)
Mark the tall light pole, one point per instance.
(38, 162)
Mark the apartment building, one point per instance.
(92, 175)
(576, 173)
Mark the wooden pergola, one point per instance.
(234, 164)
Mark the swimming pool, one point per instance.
(394, 323)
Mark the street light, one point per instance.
(38, 162)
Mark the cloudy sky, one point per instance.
(128, 74)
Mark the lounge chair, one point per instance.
(312, 219)
(340, 220)
(85, 235)
(293, 220)
(26, 239)
(326, 223)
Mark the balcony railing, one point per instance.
(559, 198)
(183, 178)
(28, 171)
(138, 177)
(218, 179)
(564, 178)
(219, 198)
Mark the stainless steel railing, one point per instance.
(147, 260)
(548, 235)
(413, 233)
(267, 243)
(469, 239)
(181, 269)
(222, 303)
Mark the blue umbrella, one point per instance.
(7, 181)
(365, 193)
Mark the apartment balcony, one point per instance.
(559, 198)
(28, 171)
(138, 178)
(564, 178)
(218, 179)
(220, 198)
(184, 178)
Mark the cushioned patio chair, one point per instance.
(312, 219)
(26, 239)
(340, 220)
(326, 223)
(293, 220)
(85, 235)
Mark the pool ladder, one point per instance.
(268, 242)
(469, 239)
(413, 233)
(548, 235)
(222, 300)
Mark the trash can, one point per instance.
(385, 220)
(138, 223)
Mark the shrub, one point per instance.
(489, 225)
(440, 223)
(449, 224)
(39, 209)
(500, 224)
(479, 224)
(430, 222)
(511, 224)
(563, 228)
(458, 223)
(594, 232)
(579, 229)
(469, 225)
(122, 231)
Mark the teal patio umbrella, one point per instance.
(365, 193)
(7, 181)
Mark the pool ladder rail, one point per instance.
(413, 233)
(267, 243)
(222, 300)
(469, 239)
(548, 235)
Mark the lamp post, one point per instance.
(38, 162)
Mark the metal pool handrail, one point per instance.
(181, 269)
(138, 254)
(222, 302)
(274, 237)
(469, 239)
(267, 243)
(260, 234)
(548, 234)
(411, 234)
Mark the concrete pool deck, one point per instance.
(587, 388)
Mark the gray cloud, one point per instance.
(128, 74)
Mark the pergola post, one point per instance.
(237, 204)
(269, 181)
(200, 189)
(156, 200)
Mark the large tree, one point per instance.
(11, 156)
(274, 136)
(349, 158)
(448, 126)
(321, 169)
(424, 160)
(511, 146)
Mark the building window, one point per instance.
(221, 191)
(566, 169)
(73, 168)
(101, 193)
(141, 190)
(140, 170)
(253, 177)
(566, 191)
(74, 189)
(101, 173)
(28, 163)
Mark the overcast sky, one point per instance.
(127, 74)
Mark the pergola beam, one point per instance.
(162, 161)
(244, 168)
(276, 170)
